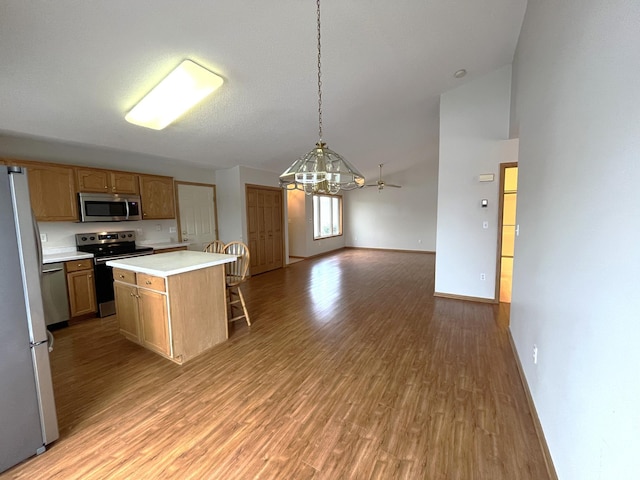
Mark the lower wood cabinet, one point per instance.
(154, 321)
(179, 316)
(127, 308)
(142, 313)
(81, 287)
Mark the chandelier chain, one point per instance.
(319, 77)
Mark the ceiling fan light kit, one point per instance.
(381, 183)
(321, 170)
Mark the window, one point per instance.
(327, 216)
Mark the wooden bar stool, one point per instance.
(236, 274)
(217, 246)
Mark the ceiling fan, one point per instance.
(381, 183)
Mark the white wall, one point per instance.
(300, 225)
(296, 220)
(75, 154)
(576, 279)
(474, 122)
(395, 218)
(62, 234)
(231, 196)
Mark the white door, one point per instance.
(197, 214)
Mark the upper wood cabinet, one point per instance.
(157, 197)
(53, 192)
(96, 180)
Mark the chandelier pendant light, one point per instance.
(321, 170)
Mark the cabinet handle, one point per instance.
(148, 282)
(131, 294)
(89, 276)
(106, 186)
(121, 276)
(79, 264)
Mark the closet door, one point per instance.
(264, 228)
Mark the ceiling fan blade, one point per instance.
(391, 185)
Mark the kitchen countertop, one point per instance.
(54, 255)
(171, 263)
(163, 245)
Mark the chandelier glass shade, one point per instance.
(321, 170)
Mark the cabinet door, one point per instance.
(92, 180)
(127, 310)
(154, 321)
(53, 193)
(122, 182)
(157, 197)
(82, 294)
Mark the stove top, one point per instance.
(103, 244)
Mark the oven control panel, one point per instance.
(98, 238)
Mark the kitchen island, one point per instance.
(172, 303)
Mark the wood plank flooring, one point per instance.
(351, 369)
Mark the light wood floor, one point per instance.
(351, 369)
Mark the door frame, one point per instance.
(177, 183)
(503, 167)
(247, 186)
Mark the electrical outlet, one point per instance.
(172, 229)
(158, 227)
(43, 237)
(535, 354)
(483, 276)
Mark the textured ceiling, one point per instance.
(70, 70)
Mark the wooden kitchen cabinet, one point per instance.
(154, 320)
(52, 191)
(178, 316)
(81, 287)
(106, 181)
(127, 308)
(142, 312)
(157, 197)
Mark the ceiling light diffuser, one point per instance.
(185, 86)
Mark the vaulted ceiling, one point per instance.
(70, 70)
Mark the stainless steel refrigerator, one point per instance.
(27, 410)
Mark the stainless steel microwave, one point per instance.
(107, 207)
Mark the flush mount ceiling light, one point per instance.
(321, 170)
(175, 94)
(460, 73)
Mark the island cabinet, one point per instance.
(107, 181)
(176, 313)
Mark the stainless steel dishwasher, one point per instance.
(54, 293)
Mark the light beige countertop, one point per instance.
(172, 263)
(63, 254)
(163, 245)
